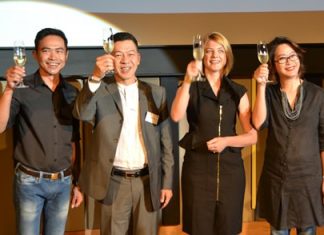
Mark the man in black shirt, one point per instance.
(45, 137)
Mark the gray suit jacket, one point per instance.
(103, 109)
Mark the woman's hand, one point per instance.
(261, 74)
(217, 144)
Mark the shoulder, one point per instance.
(313, 90)
(237, 88)
(154, 88)
(70, 89)
(71, 83)
(311, 86)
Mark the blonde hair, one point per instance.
(222, 40)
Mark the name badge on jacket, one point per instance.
(152, 118)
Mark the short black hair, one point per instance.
(122, 36)
(50, 31)
(273, 45)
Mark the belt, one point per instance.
(47, 175)
(130, 173)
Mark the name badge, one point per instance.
(152, 118)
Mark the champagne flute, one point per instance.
(263, 54)
(108, 40)
(19, 57)
(108, 43)
(198, 54)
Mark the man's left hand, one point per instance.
(166, 195)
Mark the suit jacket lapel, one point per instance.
(113, 90)
(143, 102)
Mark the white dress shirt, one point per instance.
(130, 153)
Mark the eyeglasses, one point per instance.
(284, 59)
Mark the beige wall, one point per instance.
(239, 28)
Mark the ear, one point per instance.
(67, 54)
(35, 55)
(139, 58)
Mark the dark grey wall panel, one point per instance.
(165, 61)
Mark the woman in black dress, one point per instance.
(290, 192)
(213, 179)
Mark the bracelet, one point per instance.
(91, 79)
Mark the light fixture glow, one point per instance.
(23, 19)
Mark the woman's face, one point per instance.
(287, 63)
(215, 57)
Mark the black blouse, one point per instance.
(203, 113)
(289, 192)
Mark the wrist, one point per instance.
(260, 81)
(94, 79)
(187, 79)
(9, 88)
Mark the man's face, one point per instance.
(51, 55)
(127, 59)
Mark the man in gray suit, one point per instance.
(129, 166)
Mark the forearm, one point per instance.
(167, 159)
(322, 160)
(260, 108)
(242, 140)
(5, 102)
(85, 108)
(180, 102)
(76, 163)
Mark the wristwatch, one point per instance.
(91, 79)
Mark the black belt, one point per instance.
(130, 173)
(47, 175)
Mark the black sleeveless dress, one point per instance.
(211, 208)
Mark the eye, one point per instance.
(118, 55)
(282, 60)
(293, 57)
(60, 51)
(209, 51)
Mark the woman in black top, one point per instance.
(290, 192)
(213, 179)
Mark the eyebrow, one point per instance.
(284, 54)
(132, 50)
(52, 48)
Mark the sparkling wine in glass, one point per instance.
(198, 54)
(19, 57)
(108, 40)
(108, 43)
(263, 54)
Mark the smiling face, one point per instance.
(127, 59)
(51, 55)
(287, 63)
(218, 54)
(215, 57)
